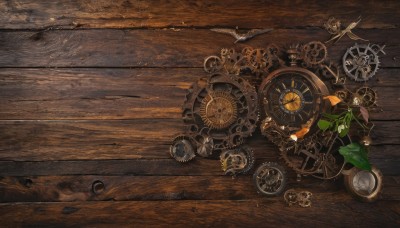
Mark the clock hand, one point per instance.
(290, 101)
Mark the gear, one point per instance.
(222, 109)
(205, 147)
(182, 149)
(212, 64)
(361, 62)
(344, 94)
(367, 96)
(239, 160)
(314, 53)
(270, 179)
(218, 110)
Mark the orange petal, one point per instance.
(333, 99)
(300, 134)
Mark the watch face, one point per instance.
(292, 96)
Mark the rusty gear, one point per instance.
(345, 95)
(182, 149)
(212, 64)
(270, 179)
(367, 96)
(218, 110)
(361, 62)
(235, 161)
(314, 53)
(237, 120)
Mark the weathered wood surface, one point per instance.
(50, 94)
(159, 14)
(328, 209)
(123, 188)
(160, 47)
(92, 91)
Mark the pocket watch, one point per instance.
(291, 96)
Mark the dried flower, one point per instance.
(334, 100)
(300, 134)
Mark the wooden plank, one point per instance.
(166, 167)
(144, 14)
(120, 139)
(127, 93)
(327, 210)
(159, 48)
(143, 188)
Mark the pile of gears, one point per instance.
(281, 91)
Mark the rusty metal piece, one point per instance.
(364, 185)
(237, 161)
(220, 112)
(182, 148)
(333, 26)
(361, 62)
(301, 198)
(367, 96)
(314, 53)
(98, 187)
(270, 179)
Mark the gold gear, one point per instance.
(218, 110)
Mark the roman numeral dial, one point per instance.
(292, 96)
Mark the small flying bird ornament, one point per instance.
(333, 26)
(241, 37)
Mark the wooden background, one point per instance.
(91, 90)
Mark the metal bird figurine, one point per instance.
(333, 27)
(240, 37)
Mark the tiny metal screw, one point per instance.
(98, 187)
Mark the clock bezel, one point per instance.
(316, 82)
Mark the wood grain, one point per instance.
(157, 14)
(143, 188)
(61, 94)
(119, 139)
(160, 47)
(328, 209)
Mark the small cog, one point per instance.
(314, 53)
(182, 149)
(270, 179)
(239, 160)
(367, 96)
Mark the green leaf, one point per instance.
(356, 154)
(330, 116)
(324, 124)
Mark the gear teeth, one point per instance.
(182, 149)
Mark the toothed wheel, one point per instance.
(314, 53)
(270, 179)
(361, 62)
(239, 160)
(218, 110)
(212, 64)
(182, 149)
(367, 96)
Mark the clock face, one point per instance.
(292, 96)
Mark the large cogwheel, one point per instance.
(221, 109)
(218, 110)
(361, 62)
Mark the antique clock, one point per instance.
(292, 96)
(284, 95)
